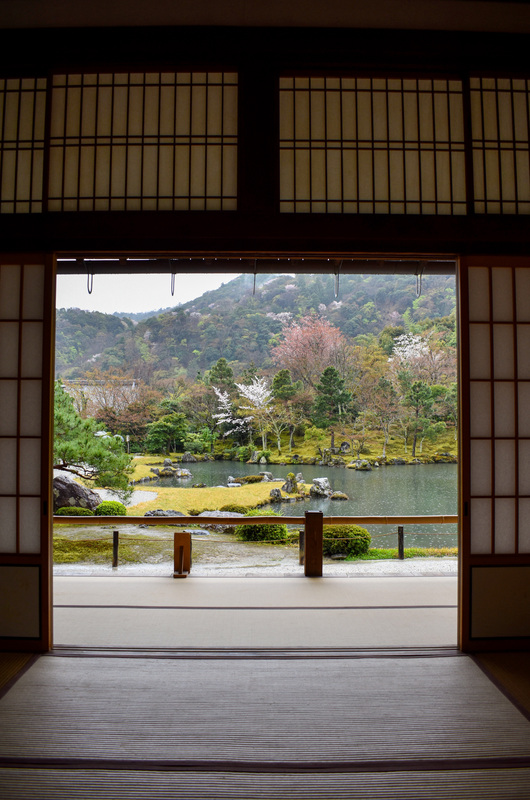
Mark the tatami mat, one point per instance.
(411, 727)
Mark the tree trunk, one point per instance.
(291, 436)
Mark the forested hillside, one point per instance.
(283, 361)
(233, 323)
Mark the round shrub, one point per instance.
(350, 540)
(234, 508)
(74, 511)
(262, 532)
(111, 508)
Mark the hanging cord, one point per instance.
(419, 277)
(89, 282)
(337, 278)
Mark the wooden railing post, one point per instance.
(401, 542)
(115, 546)
(314, 528)
(301, 547)
(182, 554)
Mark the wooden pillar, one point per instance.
(182, 554)
(314, 527)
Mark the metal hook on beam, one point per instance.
(337, 278)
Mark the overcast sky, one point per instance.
(133, 293)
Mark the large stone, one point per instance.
(290, 486)
(322, 483)
(276, 496)
(220, 528)
(160, 512)
(68, 493)
(339, 496)
(317, 491)
(188, 458)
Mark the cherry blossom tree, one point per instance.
(308, 347)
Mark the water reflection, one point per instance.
(385, 491)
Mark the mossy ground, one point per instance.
(187, 500)
(378, 553)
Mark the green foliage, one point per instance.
(262, 532)
(283, 387)
(351, 540)
(332, 400)
(167, 434)
(79, 447)
(234, 508)
(74, 511)
(244, 452)
(250, 479)
(111, 508)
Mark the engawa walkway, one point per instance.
(160, 612)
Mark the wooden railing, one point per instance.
(311, 542)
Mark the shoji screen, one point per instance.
(372, 146)
(26, 305)
(495, 357)
(144, 141)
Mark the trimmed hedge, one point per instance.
(350, 540)
(73, 511)
(111, 508)
(262, 532)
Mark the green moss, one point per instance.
(379, 553)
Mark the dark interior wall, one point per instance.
(484, 15)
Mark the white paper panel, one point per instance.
(524, 525)
(481, 467)
(523, 351)
(522, 293)
(524, 409)
(504, 412)
(8, 466)
(480, 403)
(505, 467)
(479, 352)
(480, 526)
(9, 291)
(8, 526)
(504, 525)
(503, 352)
(30, 466)
(8, 349)
(479, 294)
(33, 293)
(30, 520)
(31, 350)
(30, 408)
(8, 408)
(524, 466)
(502, 294)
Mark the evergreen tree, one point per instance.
(332, 399)
(222, 376)
(81, 448)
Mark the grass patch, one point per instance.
(379, 553)
(208, 499)
(133, 550)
